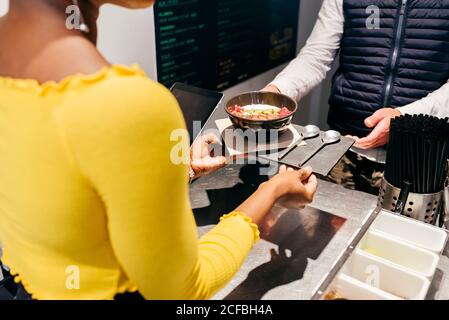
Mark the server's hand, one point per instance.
(271, 88)
(380, 121)
(201, 160)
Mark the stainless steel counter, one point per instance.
(299, 247)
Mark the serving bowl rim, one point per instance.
(267, 120)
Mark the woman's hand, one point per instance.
(298, 186)
(201, 160)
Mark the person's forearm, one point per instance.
(435, 104)
(314, 61)
(260, 203)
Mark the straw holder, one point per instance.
(423, 207)
(446, 203)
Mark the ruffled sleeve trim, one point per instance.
(18, 278)
(248, 220)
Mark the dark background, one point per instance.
(215, 44)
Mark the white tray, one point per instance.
(389, 278)
(413, 232)
(392, 251)
(352, 289)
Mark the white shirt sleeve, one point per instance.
(435, 104)
(314, 61)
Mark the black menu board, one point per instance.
(216, 44)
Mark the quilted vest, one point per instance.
(400, 61)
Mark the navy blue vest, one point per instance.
(402, 61)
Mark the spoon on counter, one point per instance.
(329, 137)
(308, 132)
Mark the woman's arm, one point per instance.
(119, 134)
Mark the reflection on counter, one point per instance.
(294, 274)
(300, 236)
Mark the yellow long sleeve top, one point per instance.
(91, 204)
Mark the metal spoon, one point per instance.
(308, 132)
(329, 137)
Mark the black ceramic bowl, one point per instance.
(269, 98)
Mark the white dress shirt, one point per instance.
(314, 61)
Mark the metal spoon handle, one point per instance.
(289, 149)
(314, 152)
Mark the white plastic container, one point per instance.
(387, 277)
(411, 231)
(353, 289)
(391, 250)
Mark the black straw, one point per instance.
(418, 153)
